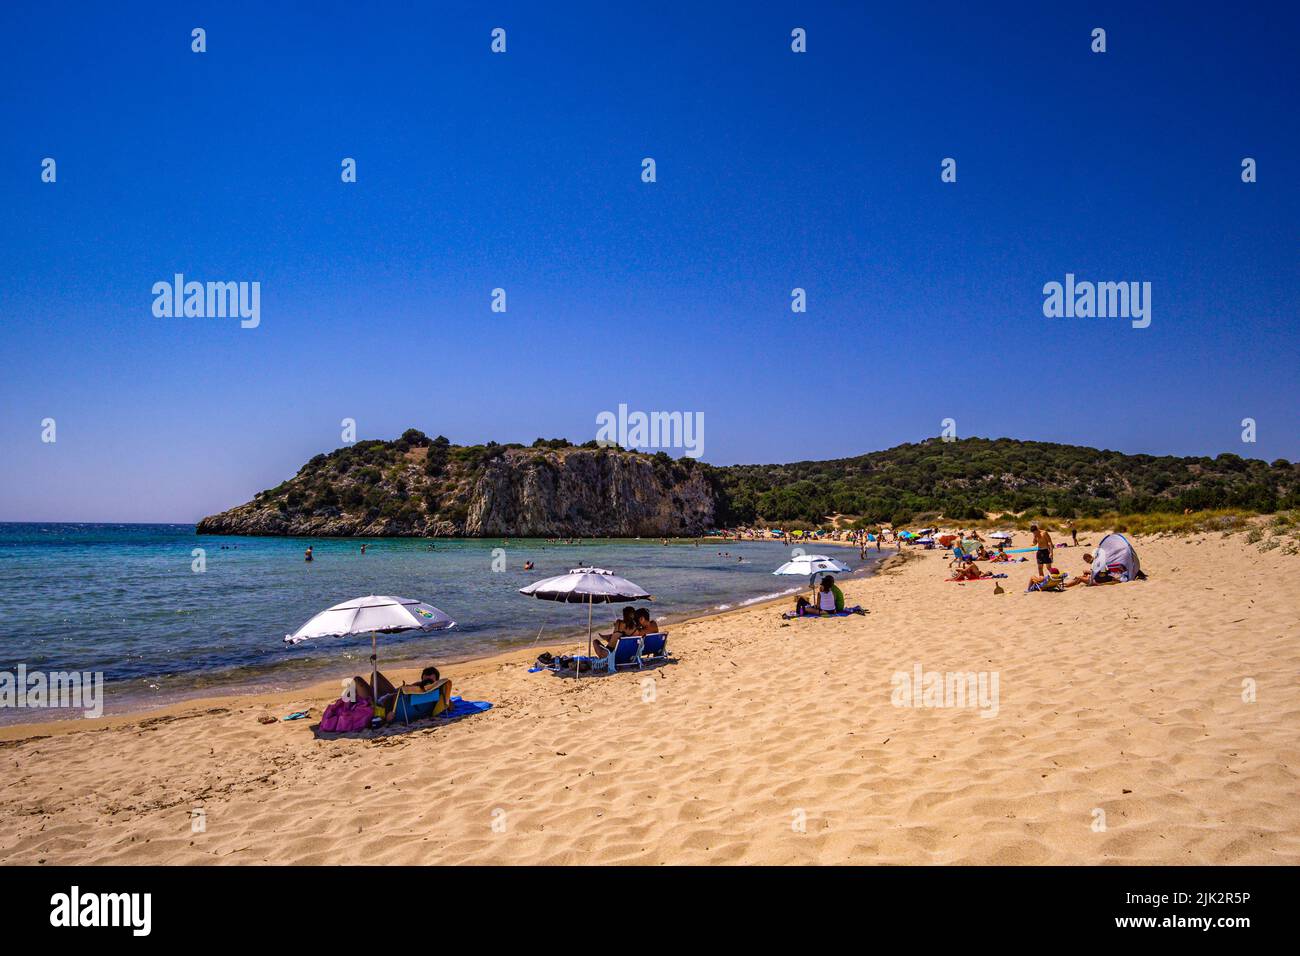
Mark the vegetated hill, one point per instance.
(963, 479)
(429, 487)
(421, 486)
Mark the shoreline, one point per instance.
(248, 693)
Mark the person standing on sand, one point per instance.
(1043, 542)
(1074, 533)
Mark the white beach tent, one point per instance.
(1114, 551)
(374, 615)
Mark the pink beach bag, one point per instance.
(346, 716)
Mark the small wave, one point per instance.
(759, 599)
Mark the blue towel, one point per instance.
(464, 708)
(789, 615)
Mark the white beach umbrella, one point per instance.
(587, 586)
(373, 615)
(811, 564)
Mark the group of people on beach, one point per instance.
(1049, 577)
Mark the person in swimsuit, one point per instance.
(827, 600)
(625, 626)
(970, 572)
(1043, 542)
(307, 554)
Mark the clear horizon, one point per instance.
(775, 170)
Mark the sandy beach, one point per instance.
(1122, 733)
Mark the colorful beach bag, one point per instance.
(346, 716)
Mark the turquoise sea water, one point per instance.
(124, 600)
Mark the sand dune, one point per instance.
(765, 742)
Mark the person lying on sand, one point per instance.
(827, 599)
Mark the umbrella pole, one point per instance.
(589, 597)
(374, 671)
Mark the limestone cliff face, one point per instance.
(414, 487)
(587, 493)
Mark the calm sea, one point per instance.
(124, 600)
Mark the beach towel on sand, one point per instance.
(464, 708)
(546, 662)
(856, 609)
(982, 577)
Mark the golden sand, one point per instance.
(1124, 733)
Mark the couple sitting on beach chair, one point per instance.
(427, 697)
(634, 623)
(636, 637)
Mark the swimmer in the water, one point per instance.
(307, 554)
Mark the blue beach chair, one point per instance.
(626, 654)
(413, 704)
(654, 646)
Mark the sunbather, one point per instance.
(828, 599)
(362, 691)
(970, 572)
(631, 624)
(429, 680)
(1088, 579)
(645, 624)
(1053, 580)
(623, 627)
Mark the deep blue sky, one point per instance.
(522, 171)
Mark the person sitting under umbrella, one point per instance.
(829, 598)
(429, 679)
(624, 626)
(633, 623)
